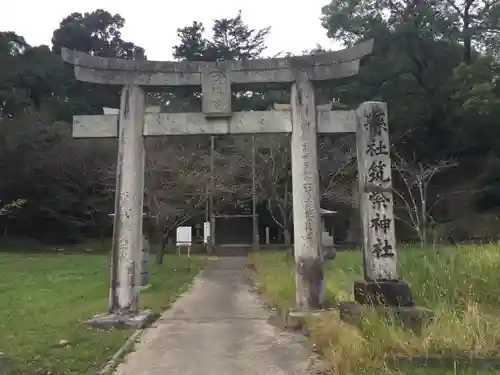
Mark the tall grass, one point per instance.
(460, 285)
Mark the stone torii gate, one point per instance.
(302, 118)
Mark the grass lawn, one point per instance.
(460, 285)
(45, 296)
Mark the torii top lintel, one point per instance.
(321, 66)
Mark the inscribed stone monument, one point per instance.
(381, 284)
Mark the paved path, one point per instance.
(217, 328)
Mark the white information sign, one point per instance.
(184, 236)
(184, 239)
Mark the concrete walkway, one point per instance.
(218, 328)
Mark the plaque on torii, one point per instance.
(302, 118)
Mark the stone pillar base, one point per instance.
(296, 320)
(137, 320)
(386, 293)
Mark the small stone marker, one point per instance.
(327, 240)
(206, 231)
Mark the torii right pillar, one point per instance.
(381, 284)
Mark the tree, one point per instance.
(32, 77)
(189, 180)
(274, 179)
(415, 198)
(414, 67)
(68, 184)
(337, 170)
(175, 182)
(11, 44)
(429, 65)
(97, 33)
(231, 39)
(8, 208)
(63, 180)
(407, 70)
(475, 23)
(12, 99)
(178, 179)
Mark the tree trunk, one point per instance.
(288, 239)
(434, 237)
(423, 232)
(163, 244)
(161, 251)
(467, 34)
(286, 229)
(422, 241)
(423, 215)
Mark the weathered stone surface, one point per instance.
(322, 66)
(306, 199)
(122, 320)
(161, 124)
(239, 123)
(381, 285)
(375, 189)
(389, 293)
(296, 320)
(336, 122)
(309, 280)
(323, 58)
(239, 78)
(96, 126)
(216, 89)
(127, 236)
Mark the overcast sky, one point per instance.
(296, 25)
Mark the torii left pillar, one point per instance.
(127, 227)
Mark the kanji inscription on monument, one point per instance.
(216, 88)
(374, 165)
